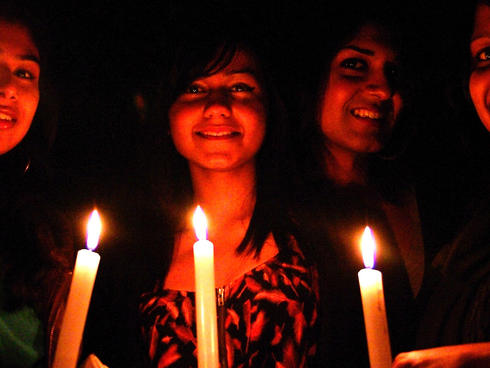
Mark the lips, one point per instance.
(7, 118)
(218, 132)
(368, 113)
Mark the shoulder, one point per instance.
(457, 310)
(469, 253)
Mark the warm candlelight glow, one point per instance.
(368, 247)
(200, 223)
(94, 227)
(373, 306)
(206, 321)
(78, 301)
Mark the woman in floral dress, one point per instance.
(223, 146)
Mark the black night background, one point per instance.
(105, 55)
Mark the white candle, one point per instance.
(206, 317)
(82, 283)
(373, 305)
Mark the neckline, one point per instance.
(227, 286)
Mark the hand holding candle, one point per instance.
(206, 318)
(373, 305)
(82, 283)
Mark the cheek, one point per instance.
(177, 117)
(181, 117)
(331, 107)
(181, 141)
(35, 102)
(337, 96)
(252, 116)
(260, 118)
(251, 113)
(30, 101)
(478, 85)
(258, 128)
(260, 134)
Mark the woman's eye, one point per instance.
(483, 55)
(24, 74)
(353, 63)
(241, 87)
(194, 89)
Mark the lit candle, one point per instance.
(82, 283)
(206, 317)
(373, 305)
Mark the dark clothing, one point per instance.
(458, 310)
(132, 257)
(333, 225)
(36, 250)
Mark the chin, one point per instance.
(485, 119)
(372, 145)
(8, 143)
(217, 164)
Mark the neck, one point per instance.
(227, 198)
(345, 168)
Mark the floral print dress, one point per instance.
(267, 318)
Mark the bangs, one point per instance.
(202, 60)
(221, 60)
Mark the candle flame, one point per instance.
(200, 223)
(368, 247)
(94, 227)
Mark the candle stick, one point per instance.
(206, 318)
(373, 305)
(82, 283)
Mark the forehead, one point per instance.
(242, 61)
(482, 21)
(373, 39)
(16, 39)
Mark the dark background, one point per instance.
(105, 54)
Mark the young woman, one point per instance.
(351, 130)
(19, 83)
(35, 251)
(455, 329)
(222, 134)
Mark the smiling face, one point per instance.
(479, 83)
(218, 122)
(360, 103)
(19, 88)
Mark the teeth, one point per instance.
(363, 113)
(217, 134)
(5, 117)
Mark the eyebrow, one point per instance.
(243, 71)
(479, 38)
(28, 57)
(358, 49)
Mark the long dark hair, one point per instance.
(205, 51)
(36, 245)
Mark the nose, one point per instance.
(7, 85)
(379, 86)
(217, 105)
